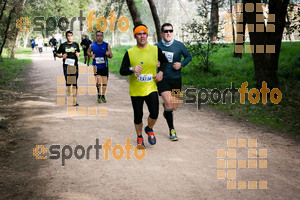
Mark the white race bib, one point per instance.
(145, 77)
(100, 60)
(169, 56)
(70, 62)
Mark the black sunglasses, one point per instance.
(166, 31)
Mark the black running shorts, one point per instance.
(169, 84)
(71, 79)
(102, 72)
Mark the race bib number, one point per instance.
(100, 60)
(145, 77)
(70, 62)
(169, 56)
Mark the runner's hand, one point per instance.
(158, 77)
(107, 53)
(177, 65)
(158, 64)
(137, 69)
(93, 56)
(64, 55)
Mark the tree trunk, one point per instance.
(120, 6)
(26, 39)
(266, 64)
(14, 47)
(2, 10)
(240, 21)
(155, 18)
(232, 21)
(134, 12)
(15, 32)
(214, 21)
(6, 30)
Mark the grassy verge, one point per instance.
(225, 70)
(12, 70)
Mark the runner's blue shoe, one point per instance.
(140, 142)
(151, 136)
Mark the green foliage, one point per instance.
(55, 9)
(116, 61)
(201, 46)
(226, 69)
(11, 70)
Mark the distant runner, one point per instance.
(32, 41)
(101, 51)
(70, 52)
(85, 43)
(46, 43)
(53, 42)
(40, 45)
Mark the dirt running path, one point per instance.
(186, 169)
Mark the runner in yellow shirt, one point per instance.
(140, 63)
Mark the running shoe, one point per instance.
(173, 135)
(151, 136)
(99, 98)
(140, 142)
(75, 103)
(103, 99)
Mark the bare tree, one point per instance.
(264, 58)
(135, 15)
(120, 4)
(9, 20)
(2, 9)
(15, 32)
(240, 28)
(231, 14)
(214, 21)
(155, 19)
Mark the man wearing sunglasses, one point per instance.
(171, 83)
(139, 62)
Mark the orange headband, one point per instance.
(140, 28)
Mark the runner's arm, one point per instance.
(124, 70)
(59, 51)
(187, 56)
(109, 51)
(89, 51)
(162, 59)
(77, 51)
